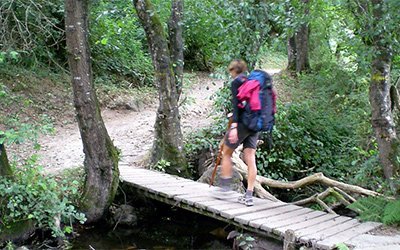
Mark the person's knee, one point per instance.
(227, 151)
(249, 153)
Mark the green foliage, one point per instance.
(377, 209)
(19, 128)
(246, 241)
(369, 208)
(392, 213)
(162, 165)
(323, 129)
(117, 42)
(342, 246)
(31, 195)
(205, 140)
(212, 34)
(34, 29)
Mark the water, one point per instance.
(159, 227)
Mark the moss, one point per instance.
(168, 152)
(155, 19)
(17, 231)
(114, 154)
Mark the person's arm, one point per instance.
(235, 109)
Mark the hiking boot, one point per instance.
(221, 192)
(247, 200)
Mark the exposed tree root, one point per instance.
(335, 188)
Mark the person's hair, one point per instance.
(238, 66)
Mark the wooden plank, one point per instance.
(205, 204)
(153, 177)
(269, 226)
(173, 187)
(167, 183)
(290, 215)
(158, 182)
(304, 224)
(318, 236)
(172, 191)
(271, 211)
(330, 242)
(259, 205)
(218, 208)
(230, 206)
(193, 195)
(322, 226)
(192, 200)
(199, 193)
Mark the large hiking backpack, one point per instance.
(257, 98)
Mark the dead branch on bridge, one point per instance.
(317, 178)
(341, 191)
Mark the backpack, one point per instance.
(257, 99)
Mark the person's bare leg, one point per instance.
(226, 169)
(226, 162)
(250, 160)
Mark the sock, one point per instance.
(249, 193)
(226, 181)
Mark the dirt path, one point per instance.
(132, 132)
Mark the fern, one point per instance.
(369, 208)
(392, 213)
(342, 246)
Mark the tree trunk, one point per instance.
(176, 43)
(168, 144)
(297, 46)
(379, 96)
(302, 36)
(291, 48)
(101, 157)
(5, 168)
(302, 61)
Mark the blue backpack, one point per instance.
(257, 99)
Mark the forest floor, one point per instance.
(129, 125)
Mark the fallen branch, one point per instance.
(315, 178)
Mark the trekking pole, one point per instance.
(221, 146)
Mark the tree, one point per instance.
(101, 157)
(168, 144)
(377, 25)
(5, 168)
(379, 96)
(297, 44)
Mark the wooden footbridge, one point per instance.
(308, 227)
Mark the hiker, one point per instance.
(236, 135)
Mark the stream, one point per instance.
(158, 227)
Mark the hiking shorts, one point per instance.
(247, 137)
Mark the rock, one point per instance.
(237, 184)
(251, 241)
(18, 232)
(124, 215)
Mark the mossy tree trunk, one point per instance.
(5, 168)
(176, 43)
(101, 157)
(168, 144)
(291, 48)
(379, 96)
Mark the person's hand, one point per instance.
(233, 136)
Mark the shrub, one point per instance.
(31, 195)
